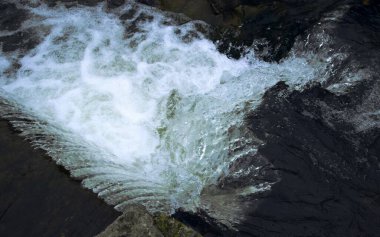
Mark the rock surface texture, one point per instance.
(322, 142)
(37, 198)
(271, 26)
(134, 222)
(137, 222)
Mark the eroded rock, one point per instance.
(137, 222)
(134, 222)
(321, 143)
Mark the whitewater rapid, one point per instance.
(147, 115)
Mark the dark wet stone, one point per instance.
(153, 3)
(39, 199)
(11, 17)
(279, 23)
(321, 150)
(128, 15)
(328, 175)
(265, 172)
(195, 9)
(201, 222)
(272, 26)
(70, 3)
(22, 41)
(134, 222)
(137, 222)
(172, 227)
(115, 3)
(329, 181)
(220, 6)
(90, 2)
(347, 37)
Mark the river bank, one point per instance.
(38, 198)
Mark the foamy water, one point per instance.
(141, 117)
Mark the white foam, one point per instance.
(4, 64)
(149, 101)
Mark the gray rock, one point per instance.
(134, 222)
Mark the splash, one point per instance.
(132, 106)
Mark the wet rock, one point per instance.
(115, 3)
(134, 222)
(70, 3)
(271, 26)
(220, 6)
(137, 222)
(153, 3)
(11, 20)
(22, 41)
(326, 175)
(171, 227)
(15, 38)
(11, 16)
(203, 223)
(38, 198)
(345, 38)
(319, 146)
(195, 9)
(329, 181)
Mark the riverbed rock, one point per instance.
(329, 176)
(137, 222)
(12, 17)
(171, 227)
(70, 3)
(115, 3)
(134, 222)
(11, 21)
(321, 142)
(38, 198)
(270, 26)
(16, 38)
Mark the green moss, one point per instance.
(170, 227)
(171, 105)
(161, 131)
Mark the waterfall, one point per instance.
(141, 110)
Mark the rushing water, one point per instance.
(142, 115)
